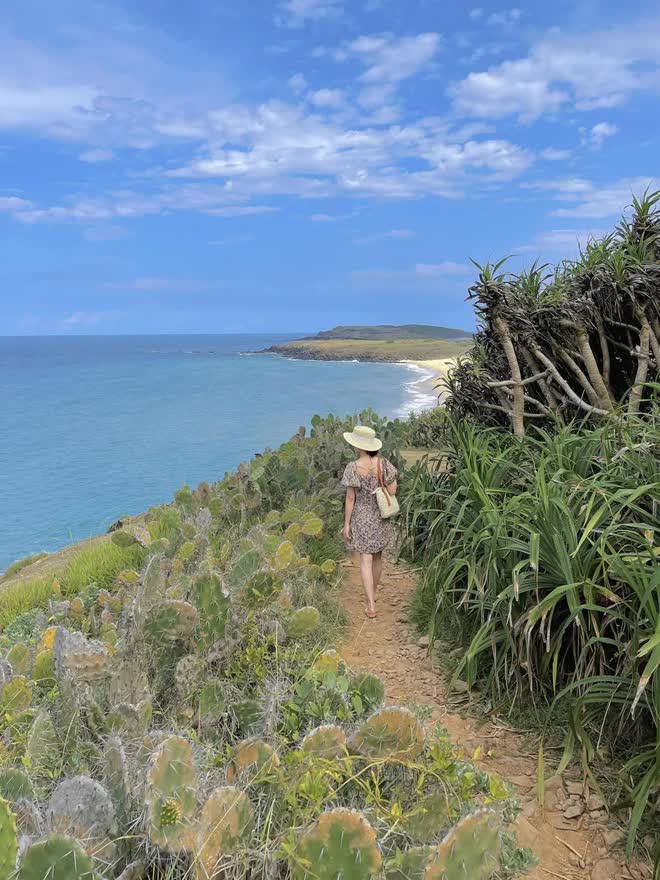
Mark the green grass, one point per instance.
(20, 564)
(99, 564)
(375, 350)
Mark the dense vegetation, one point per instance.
(190, 719)
(580, 339)
(384, 350)
(537, 524)
(393, 331)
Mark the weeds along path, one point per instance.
(568, 841)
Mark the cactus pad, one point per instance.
(170, 621)
(81, 808)
(340, 844)
(304, 622)
(329, 661)
(47, 639)
(43, 671)
(262, 587)
(369, 688)
(409, 865)
(247, 565)
(327, 741)
(15, 784)
(213, 607)
(249, 715)
(16, 695)
(211, 702)
(171, 777)
(429, 816)
(78, 657)
(292, 532)
(471, 849)
(312, 526)
(57, 858)
(390, 733)
(8, 841)
(226, 821)
(253, 761)
(19, 657)
(329, 567)
(284, 555)
(43, 746)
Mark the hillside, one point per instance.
(393, 331)
(379, 350)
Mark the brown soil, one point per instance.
(567, 849)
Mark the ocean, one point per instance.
(92, 428)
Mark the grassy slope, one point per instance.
(393, 331)
(373, 350)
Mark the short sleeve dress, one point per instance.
(370, 532)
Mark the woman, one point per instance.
(366, 532)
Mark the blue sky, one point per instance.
(218, 166)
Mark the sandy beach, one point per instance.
(436, 370)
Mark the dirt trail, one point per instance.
(568, 848)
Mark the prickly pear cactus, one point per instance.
(189, 674)
(149, 591)
(304, 622)
(47, 639)
(116, 774)
(409, 865)
(16, 695)
(8, 841)
(245, 567)
(15, 784)
(249, 715)
(327, 741)
(429, 816)
(82, 808)
(211, 703)
(79, 658)
(171, 781)
(284, 556)
(263, 587)
(213, 606)
(340, 844)
(170, 621)
(389, 733)
(370, 690)
(43, 671)
(253, 761)
(312, 526)
(19, 657)
(226, 821)
(329, 661)
(43, 745)
(129, 719)
(471, 849)
(328, 568)
(57, 858)
(6, 673)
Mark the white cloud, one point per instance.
(560, 241)
(504, 18)
(380, 236)
(476, 14)
(598, 134)
(324, 218)
(297, 13)
(297, 83)
(592, 201)
(327, 98)
(98, 155)
(421, 275)
(14, 205)
(391, 59)
(586, 71)
(550, 154)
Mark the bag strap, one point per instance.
(379, 467)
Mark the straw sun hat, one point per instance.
(363, 438)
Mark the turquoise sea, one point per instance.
(92, 428)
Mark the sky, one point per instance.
(289, 165)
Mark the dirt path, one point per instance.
(568, 848)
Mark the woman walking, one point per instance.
(365, 529)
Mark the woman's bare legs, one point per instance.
(367, 573)
(377, 568)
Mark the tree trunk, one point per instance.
(642, 369)
(595, 376)
(582, 379)
(605, 353)
(563, 384)
(547, 392)
(518, 410)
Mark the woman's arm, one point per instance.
(392, 487)
(350, 504)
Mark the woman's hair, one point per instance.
(372, 453)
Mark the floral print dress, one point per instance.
(369, 531)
